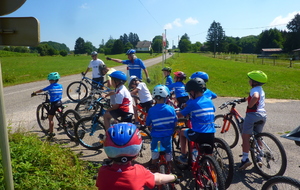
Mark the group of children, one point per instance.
(123, 141)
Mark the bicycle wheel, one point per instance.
(273, 157)
(281, 182)
(209, 174)
(163, 170)
(231, 136)
(223, 155)
(90, 132)
(85, 108)
(144, 156)
(42, 118)
(76, 91)
(70, 118)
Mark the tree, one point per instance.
(215, 37)
(124, 39)
(133, 39)
(118, 47)
(293, 36)
(79, 46)
(157, 44)
(128, 46)
(196, 47)
(234, 48)
(248, 43)
(184, 43)
(89, 48)
(271, 38)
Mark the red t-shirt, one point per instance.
(125, 177)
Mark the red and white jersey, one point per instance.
(124, 98)
(260, 104)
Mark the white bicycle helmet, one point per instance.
(160, 91)
(94, 53)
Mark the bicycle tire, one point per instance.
(42, 118)
(83, 107)
(273, 154)
(232, 135)
(209, 174)
(163, 170)
(70, 118)
(281, 182)
(144, 156)
(223, 155)
(86, 136)
(76, 91)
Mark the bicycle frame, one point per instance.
(140, 111)
(233, 113)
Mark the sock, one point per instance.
(245, 156)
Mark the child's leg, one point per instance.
(106, 117)
(183, 141)
(51, 123)
(136, 120)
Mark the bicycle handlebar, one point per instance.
(232, 102)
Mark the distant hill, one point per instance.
(57, 46)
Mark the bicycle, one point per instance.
(66, 120)
(281, 182)
(205, 169)
(221, 152)
(78, 90)
(264, 145)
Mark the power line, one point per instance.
(150, 14)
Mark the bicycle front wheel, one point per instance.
(90, 133)
(42, 118)
(85, 108)
(76, 91)
(144, 156)
(223, 155)
(70, 118)
(209, 174)
(281, 182)
(268, 155)
(226, 129)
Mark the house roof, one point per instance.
(143, 44)
(296, 49)
(271, 49)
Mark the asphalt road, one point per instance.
(283, 115)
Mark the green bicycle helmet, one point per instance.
(167, 69)
(258, 76)
(53, 76)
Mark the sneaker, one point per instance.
(51, 135)
(182, 159)
(245, 164)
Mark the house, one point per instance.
(267, 52)
(143, 46)
(296, 54)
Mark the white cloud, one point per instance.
(168, 26)
(177, 22)
(191, 21)
(84, 6)
(281, 22)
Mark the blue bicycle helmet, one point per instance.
(119, 75)
(53, 76)
(123, 142)
(130, 51)
(200, 74)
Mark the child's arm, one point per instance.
(109, 94)
(164, 178)
(134, 91)
(253, 100)
(35, 92)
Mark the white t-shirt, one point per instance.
(94, 64)
(261, 102)
(124, 98)
(144, 93)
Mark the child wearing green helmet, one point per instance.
(55, 92)
(255, 112)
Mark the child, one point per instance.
(143, 92)
(178, 87)
(123, 102)
(122, 144)
(105, 71)
(162, 121)
(167, 72)
(203, 75)
(55, 91)
(201, 110)
(255, 112)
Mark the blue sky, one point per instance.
(64, 21)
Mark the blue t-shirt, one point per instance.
(162, 118)
(135, 68)
(55, 91)
(209, 94)
(202, 112)
(169, 81)
(179, 89)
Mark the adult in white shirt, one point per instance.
(94, 64)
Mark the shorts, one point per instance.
(147, 105)
(125, 116)
(250, 119)
(201, 138)
(182, 100)
(165, 146)
(54, 106)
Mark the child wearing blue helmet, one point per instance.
(55, 91)
(123, 102)
(203, 75)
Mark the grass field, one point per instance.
(227, 77)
